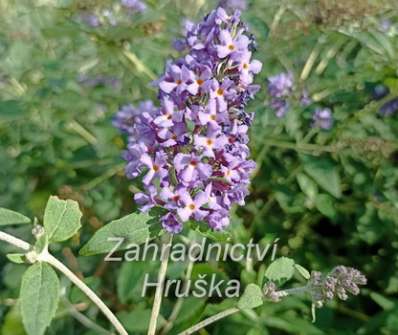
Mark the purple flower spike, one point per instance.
(322, 118)
(192, 152)
(281, 85)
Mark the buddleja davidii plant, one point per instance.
(193, 155)
(40, 288)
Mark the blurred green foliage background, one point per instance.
(330, 197)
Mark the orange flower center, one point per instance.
(178, 82)
(200, 82)
(220, 92)
(231, 47)
(191, 207)
(156, 168)
(209, 142)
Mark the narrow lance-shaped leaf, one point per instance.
(118, 235)
(39, 297)
(9, 217)
(302, 271)
(61, 219)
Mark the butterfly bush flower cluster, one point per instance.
(192, 151)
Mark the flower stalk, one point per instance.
(210, 320)
(160, 285)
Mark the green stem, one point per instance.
(84, 320)
(160, 285)
(210, 320)
(177, 307)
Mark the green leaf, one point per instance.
(325, 204)
(41, 243)
(191, 308)
(325, 172)
(137, 321)
(16, 258)
(61, 219)
(9, 217)
(251, 298)
(281, 269)
(12, 323)
(302, 271)
(12, 275)
(307, 185)
(254, 331)
(129, 277)
(133, 229)
(39, 298)
(382, 301)
(11, 110)
(55, 3)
